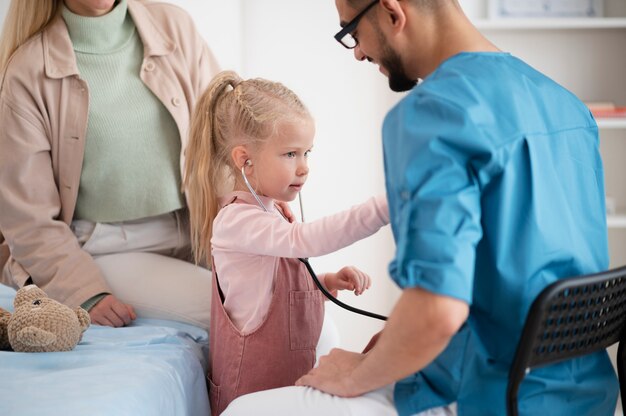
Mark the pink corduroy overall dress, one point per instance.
(278, 352)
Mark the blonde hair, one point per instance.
(24, 19)
(231, 112)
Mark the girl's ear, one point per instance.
(240, 155)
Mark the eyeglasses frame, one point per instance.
(351, 26)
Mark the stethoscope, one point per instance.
(306, 260)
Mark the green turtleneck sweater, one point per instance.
(131, 167)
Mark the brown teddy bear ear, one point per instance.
(27, 294)
(83, 318)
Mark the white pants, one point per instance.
(306, 401)
(140, 260)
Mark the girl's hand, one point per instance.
(348, 278)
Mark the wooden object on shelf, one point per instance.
(617, 112)
(608, 110)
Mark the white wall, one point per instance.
(219, 22)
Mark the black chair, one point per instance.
(570, 318)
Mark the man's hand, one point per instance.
(419, 328)
(332, 375)
(111, 312)
(348, 278)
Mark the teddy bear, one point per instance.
(41, 324)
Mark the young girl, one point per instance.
(266, 314)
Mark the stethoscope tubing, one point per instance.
(319, 285)
(334, 299)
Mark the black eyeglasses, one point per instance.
(344, 36)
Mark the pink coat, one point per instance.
(43, 113)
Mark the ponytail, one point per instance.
(207, 161)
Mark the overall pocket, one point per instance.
(306, 315)
(214, 395)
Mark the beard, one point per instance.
(390, 60)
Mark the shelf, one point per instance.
(616, 221)
(612, 123)
(551, 23)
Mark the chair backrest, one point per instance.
(570, 318)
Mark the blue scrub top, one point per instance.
(496, 190)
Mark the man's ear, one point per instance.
(394, 13)
(240, 155)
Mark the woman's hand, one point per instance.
(111, 312)
(348, 278)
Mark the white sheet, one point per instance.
(153, 367)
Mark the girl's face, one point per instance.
(90, 8)
(281, 168)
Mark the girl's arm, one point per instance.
(247, 228)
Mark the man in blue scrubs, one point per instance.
(495, 188)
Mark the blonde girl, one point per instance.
(248, 149)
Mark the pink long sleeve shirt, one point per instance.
(247, 242)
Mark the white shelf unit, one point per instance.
(551, 23)
(612, 123)
(616, 221)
